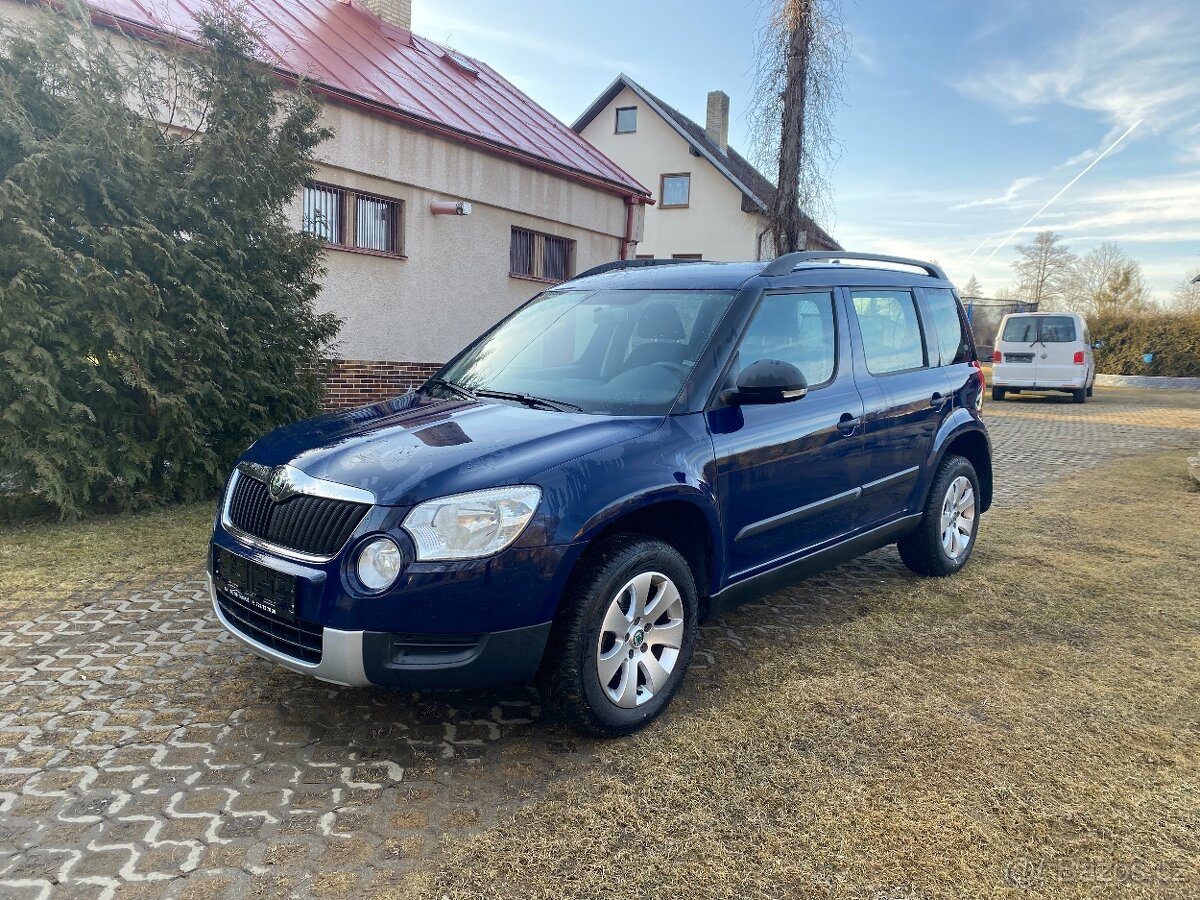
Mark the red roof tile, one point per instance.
(347, 51)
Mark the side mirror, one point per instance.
(769, 381)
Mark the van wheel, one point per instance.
(942, 543)
(623, 638)
(997, 393)
(1080, 396)
(1089, 389)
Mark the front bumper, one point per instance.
(409, 661)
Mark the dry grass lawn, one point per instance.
(48, 565)
(1030, 727)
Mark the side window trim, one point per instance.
(851, 290)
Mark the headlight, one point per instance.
(378, 564)
(467, 526)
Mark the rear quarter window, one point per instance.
(948, 325)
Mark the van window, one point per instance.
(1020, 330)
(1058, 329)
(952, 335)
(1048, 329)
(891, 331)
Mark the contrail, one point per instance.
(1111, 147)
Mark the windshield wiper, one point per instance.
(530, 400)
(457, 388)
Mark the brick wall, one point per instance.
(355, 382)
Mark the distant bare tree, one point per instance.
(972, 289)
(798, 86)
(1186, 296)
(1125, 291)
(1107, 279)
(1044, 268)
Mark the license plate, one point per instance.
(1018, 357)
(261, 588)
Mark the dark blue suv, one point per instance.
(624, 456)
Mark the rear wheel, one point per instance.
(942, 543)
(1089, 389)
(624, 637)
(997, 393)
(1080, 396)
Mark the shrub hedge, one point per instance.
(1173, 339)
(157, 305)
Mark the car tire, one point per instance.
(997, 393)
(614, 580)
(939, 546)
(1079, 396)
(1089, 389)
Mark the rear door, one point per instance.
(906, 395)
(1058, 339)
(1019, 349)
(787, 472)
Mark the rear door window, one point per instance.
(1057, 329)
(891, 331)
(948, 325)
(1020, 330)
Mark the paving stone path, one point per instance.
(143, 754)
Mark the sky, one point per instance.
(965, 126)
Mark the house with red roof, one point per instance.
(446, 197)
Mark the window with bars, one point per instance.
(354, 220)
(541, 256)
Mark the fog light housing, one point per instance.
(378, 564)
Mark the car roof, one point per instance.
(734, 275)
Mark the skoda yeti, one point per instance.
(626, 455)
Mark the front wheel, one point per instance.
(942, 543)
(624, 637)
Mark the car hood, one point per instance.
(414, 448)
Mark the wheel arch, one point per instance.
(677, 520)
(974, 446)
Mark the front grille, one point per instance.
(315, 525)
(299, 639)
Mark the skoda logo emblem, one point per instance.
(278, 484)
(638, 637)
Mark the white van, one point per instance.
(1043, 352)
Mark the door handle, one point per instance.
(937, 401)
(848, 422)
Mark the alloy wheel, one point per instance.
(958, 518)
(639, 641)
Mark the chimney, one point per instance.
(716, 123)
(394, 12)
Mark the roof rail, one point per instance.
(790, 262)
(631, 264)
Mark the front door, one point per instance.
(786, 472)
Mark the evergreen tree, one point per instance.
(157, 307)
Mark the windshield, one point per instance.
(1049, 329)
(602, 352)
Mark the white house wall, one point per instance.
(713, 224)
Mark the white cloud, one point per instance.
(1137, 61)
(1007, 199)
